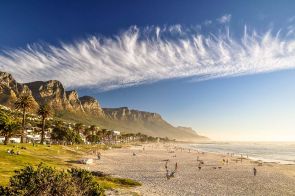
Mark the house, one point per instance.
(116, 133)
(11, 140)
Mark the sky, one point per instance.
(225, 69)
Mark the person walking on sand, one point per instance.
(254, 171)
(98, 155)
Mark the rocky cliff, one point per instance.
(74, 101)
(10, 89)
(91, 106)
(128, 120)
(51, 92)
(124, 113)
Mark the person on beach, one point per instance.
(98, 155)
(199, 166)
(254, 171)
(168, 176)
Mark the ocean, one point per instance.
(279, 152)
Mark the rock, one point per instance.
(123, 113)
(50, 92)
(73, 98)
(91, 105)
(10, 89)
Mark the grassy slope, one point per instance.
(59, 157)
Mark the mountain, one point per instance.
(69, 106)
(10, 89)
(149, 123)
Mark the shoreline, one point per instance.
(214, 178)
(238, 154)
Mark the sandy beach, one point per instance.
(214, 178)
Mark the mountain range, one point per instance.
(86, 109)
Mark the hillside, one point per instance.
(69, 106)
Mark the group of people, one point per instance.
(171, 174)
(200, 163)
(12, 152)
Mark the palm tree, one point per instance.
(24, 102)
(79, 127)
(44, 111)
(103, 134)
(8, 127)
(109, 135)
(93, 129)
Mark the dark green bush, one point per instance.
(44, 180)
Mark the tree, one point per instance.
(91, 134)
(23, 103)
(44, 111)
(93, 129)
(103, 134)
(8, 126)
(63, 134)
(79, 128)
(109, 135)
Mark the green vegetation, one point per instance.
(8, 126)
(24, 102)
(45, 180)
(44, 111)
(54, 155)
(57, 156)
(75, 139)
(63, 135)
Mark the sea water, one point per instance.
(279, 152)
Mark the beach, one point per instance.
(146, 164)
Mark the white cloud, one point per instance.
(224, 19)
(135, 57)
(207, 22)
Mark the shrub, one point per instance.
(44, 180)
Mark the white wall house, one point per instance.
(11, 140)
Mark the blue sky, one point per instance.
(226, 69)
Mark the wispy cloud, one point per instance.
(224, 19)
(139, 56)
(207, 22)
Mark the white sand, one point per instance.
(148, 167)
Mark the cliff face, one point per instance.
(51, 92)
(91, 105)
(10, 89)
(125, 113)
(124, 119)
(73, 99)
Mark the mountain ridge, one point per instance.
(69, 106)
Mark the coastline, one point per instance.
(248, 149)
(214, 178)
